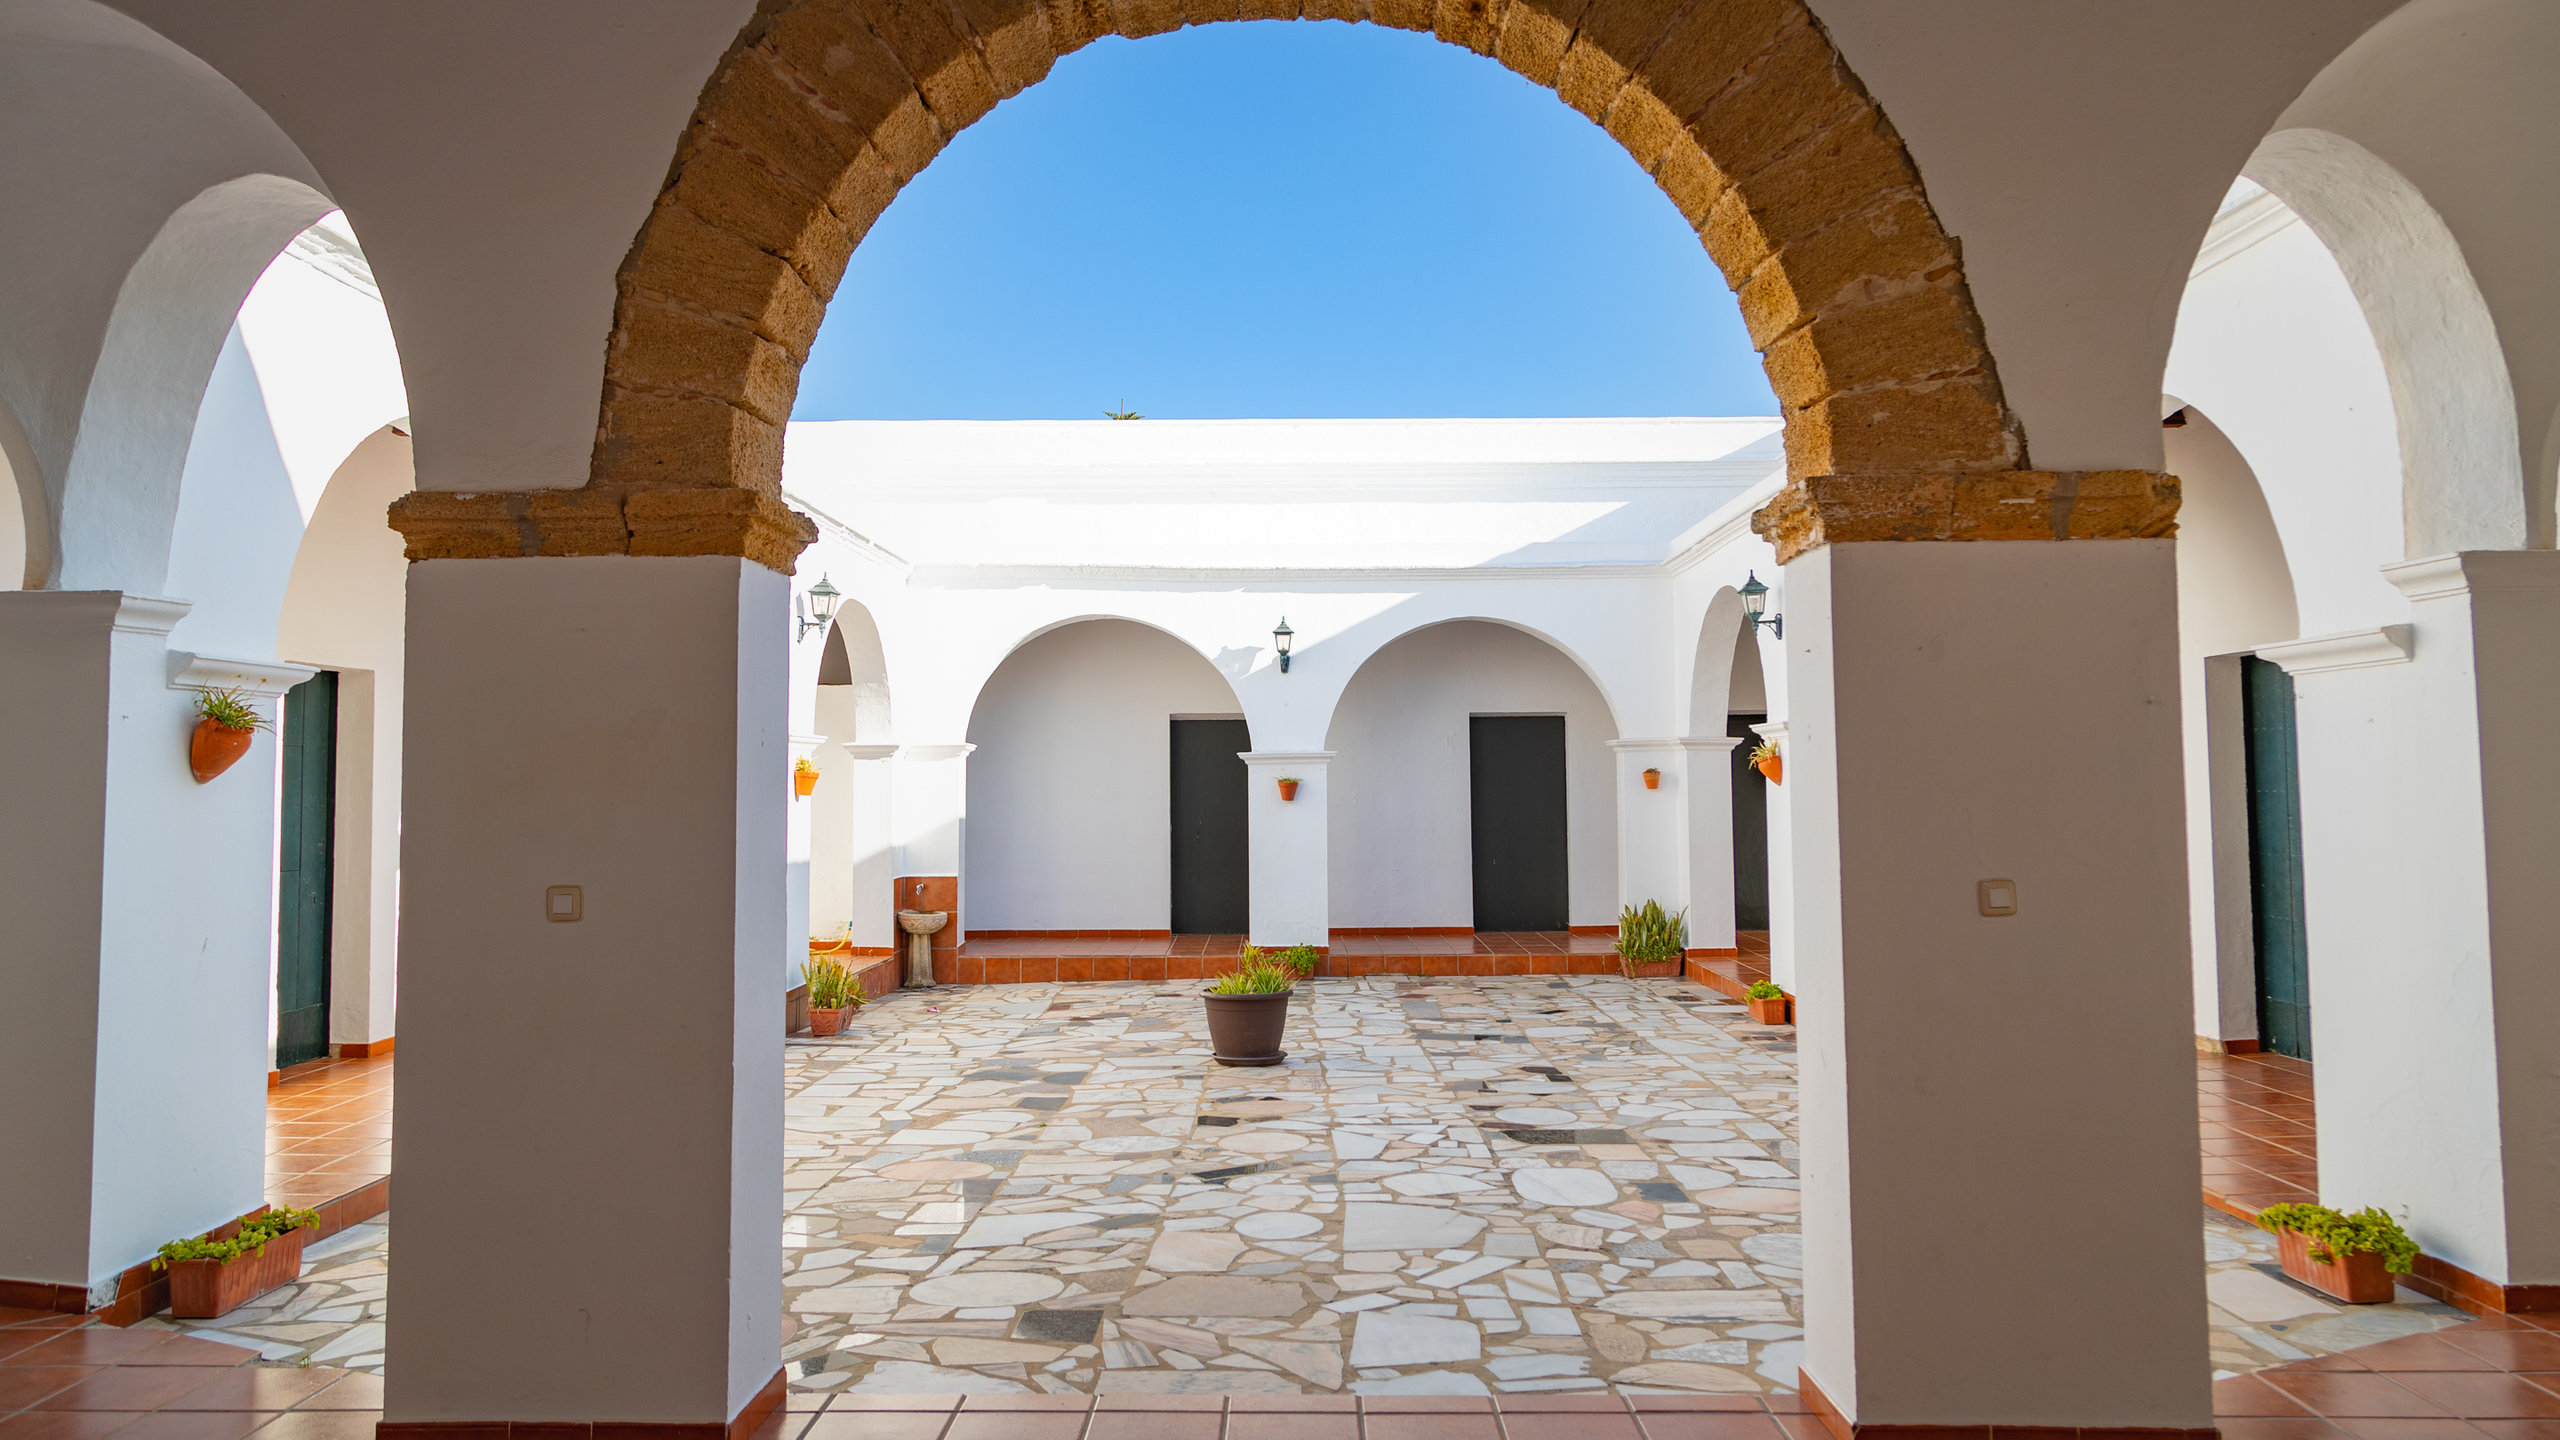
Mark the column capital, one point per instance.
(927, 753)
(2357, 650)
(1677, 742)
(803, 746)
(2438, 577)
(1820, 510)
(860, 751)
(261, 679)
(1311, 759)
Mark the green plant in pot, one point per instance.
(2350, 1256)
(225, 724)
(1249, 1011)
(1769, 1004)
(236, 1263)
(833, 991)
(1651, 941)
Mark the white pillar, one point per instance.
(1782, 865)
(929, 815)
(135, 993)
(849, 846)
(2431, 828)
(1706, 768)
(1288, 841)
(797, 832)
(2021, 1106)
(615, 724)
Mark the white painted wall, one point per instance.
(1070, 788)
(1401, 851)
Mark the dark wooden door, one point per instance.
(1212, 845)
(1750, 829)
(310, 759)
(1516, 795)
(2275, 861)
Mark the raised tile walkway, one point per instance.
(1005, 958)
(2256, 1129)
(328, 1130)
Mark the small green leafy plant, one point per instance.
(1765, 750)
(1763, 990)
(231, 710)
(804, 766)
(831, 984)
(1650, 934)
(255, 1232)
(1254, 976)
(2333, 1233)
(1302, 960)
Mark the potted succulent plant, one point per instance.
(832, 991)
(1652, 942)
(1249, 1012)
(2350, 1256)
(804, 776)
(225, 724)
(1769, 1004)
(1764, 758)
(240, 1261)
(1289, 787)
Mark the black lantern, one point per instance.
(817, 607)
(1280, 641)
(1755, 601)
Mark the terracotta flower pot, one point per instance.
(204, 1289)
(1247, 1029)
(1770, 766)
(2358, 1279)
(1772, 1011)
(1653, 779)
(804, 781)
(1650, 969)
(1288, 789)
(216, 747)
(826, 1022)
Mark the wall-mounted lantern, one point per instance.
(816, 608)
(1755, 600)
(1280, 641)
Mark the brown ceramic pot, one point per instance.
(204, 1289)
(1288, 789)
(1246, 1029)
(2357, 1279)
(216, 747)
(826, 1022)
(1771, 766)
(1772, 1011)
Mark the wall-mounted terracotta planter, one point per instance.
(826, 1022)
(1653, 779)
(1288, 789)
(1772, 1011)
(2357, 1279)
(205, 1289)
(1770, 766)
(804, 781)
(216, 747)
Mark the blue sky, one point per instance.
(1281, 219)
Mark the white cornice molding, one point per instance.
(2239, 228)
(1730, 529)
(1286, 757)
(1008, 577)
(2439, 576)
(860, 751)
(147, 615)
(930, 753)
(2355, 650)
(1678, 742)
(1770, 730)
(849, 537)
(260, 678)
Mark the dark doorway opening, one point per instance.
(1515, 788)
(1212, 844)
(1750, 828)
(2275, 860)
(310, 762)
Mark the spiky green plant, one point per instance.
(2332, 1234)
(832, 985)
(231, 710)
(1651, 934)
(1254, 976)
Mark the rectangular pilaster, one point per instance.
(1995, 1107)
(1780, 813)
(1289, 842)
(589, 1120)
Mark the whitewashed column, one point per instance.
(1782, 865)
(850, 852)
(1289, 843)
(1706, 771)
(798, 835)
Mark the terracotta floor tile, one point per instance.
(24, 1385)
(878, 1425)
(321, 1425)
(1016, 1425)
(2407, 1429)
(129, 1387)
(194, 1425)
(2419, 1352)
(1568, 1425)
(2252, 1395)
(257, 1387)
(91, 1345)
(1699, 1425)
(2518, 1429)
(1156, 1425)
(64, 1424)
(1289, 1425)
(2506, 1397)
(1291, 1404)
(188, 1350)
(2335, 1393)
(2278, 1427)
(1429, 1427)
(2508, 1349)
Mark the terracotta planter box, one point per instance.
(1651, 969)
(827, 1022)
(205, 1289)
(1770, 1012)
(2356, 1279)
(1247, 1029)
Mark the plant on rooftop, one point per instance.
(226, 723)
(2350, 1256)
(1249, 1011)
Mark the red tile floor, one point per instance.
(328, 1130)
(65, 1377)
(1039, 960)
(2256, 1132)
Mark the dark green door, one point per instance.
(1212, 846)
(1750, 827)
(302, 907)
(2275, 860)
(1516, 800)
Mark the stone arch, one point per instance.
(2461, 456)
(1720, 637)
(1609, 701)
(855, 658)
(1741, 110)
